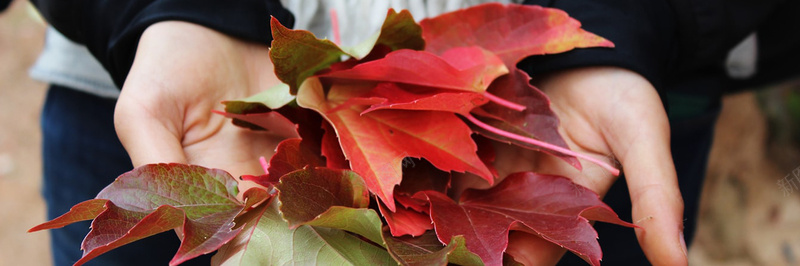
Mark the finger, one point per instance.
(652, 183)
(530, 249)
(657, 205)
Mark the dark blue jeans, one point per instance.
(81, 156)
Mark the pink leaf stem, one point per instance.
(264, 164)
(335, 26)
(504, 102)
(614, 171)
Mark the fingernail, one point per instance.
(683, 245)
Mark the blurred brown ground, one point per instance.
(745, 217)
(21, 205)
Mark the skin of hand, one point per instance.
(181, 73)
(609, 112)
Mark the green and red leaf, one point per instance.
(316, 205)
(271, 242)
(117, 227)
(198, 202)
(427, 250)
(307, 193)
(297, 54)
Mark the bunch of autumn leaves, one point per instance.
(410, 91)
(421, 91)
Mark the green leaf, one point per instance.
(427, 250)
(272, 242)
(273, 98)
(399, 31)
(362, 221)
(297, 54)
(460, 254)
(235, 251)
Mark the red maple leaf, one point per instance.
(375, 143)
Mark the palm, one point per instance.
(610, 114)
(181, 73)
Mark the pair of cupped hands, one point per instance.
(182, 71)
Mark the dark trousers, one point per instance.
(82, 155)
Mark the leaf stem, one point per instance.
(264, 164)
(335, 26)
(604, 165)
(504, 102)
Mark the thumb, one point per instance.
(147, 137)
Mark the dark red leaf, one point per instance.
(552, 207)
(331, 150)
(486, 152)
(117, 226)
(537, 121)
(291, 156)
(420, 175)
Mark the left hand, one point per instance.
(608, 113)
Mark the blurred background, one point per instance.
(746, 217)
